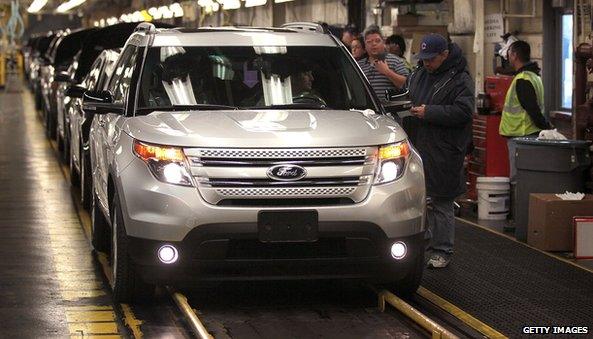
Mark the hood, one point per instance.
(531, 66)
(454, 60)
(265, 128)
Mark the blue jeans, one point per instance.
(440, 216)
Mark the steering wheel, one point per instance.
(308, 98)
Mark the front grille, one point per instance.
(281, 153)
(235, 174)
(285, 191)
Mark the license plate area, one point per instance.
(288, 226)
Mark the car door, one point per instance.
(108, 126)
(77, 118)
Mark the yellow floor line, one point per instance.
(524, 244)
(460, 314)
(85, 321)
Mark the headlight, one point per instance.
(166, 163)
(392, 162)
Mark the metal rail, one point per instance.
(418, 317)
(194, 322)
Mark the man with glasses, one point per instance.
(385, 71)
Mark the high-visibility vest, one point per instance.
(515, 121)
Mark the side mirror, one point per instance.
(391, 95)
(75, 91)
(397, 106)
(98, 102)
(62, 77)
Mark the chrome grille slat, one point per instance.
(263, 182)
(258, 162)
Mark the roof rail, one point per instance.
(306, 26)
(145, 27)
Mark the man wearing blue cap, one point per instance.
(442, 92)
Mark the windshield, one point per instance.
(250, 78)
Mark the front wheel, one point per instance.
(99, 227)
(85, 180)
(126, 283)
(410, 283)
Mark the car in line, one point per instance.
(250, 153)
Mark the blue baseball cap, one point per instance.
(432, 45)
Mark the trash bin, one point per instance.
(547, 166)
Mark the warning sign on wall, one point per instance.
(493, 27)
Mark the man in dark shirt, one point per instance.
(522, 114)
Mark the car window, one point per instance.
(90, 80)
(120, 82)
(251, 77)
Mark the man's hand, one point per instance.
(418, 111)
(382, 67)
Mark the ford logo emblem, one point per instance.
(286, 172)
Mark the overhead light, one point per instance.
(96, 23)
(215, 6)
(155, 13)
(205, 3)
(68, 5)
(102, 22)
(280, 1)
(36, 6)
(177, 9)
(112, 21)
(253, 3)
(231, 4)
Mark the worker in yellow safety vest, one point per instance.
(522, 115)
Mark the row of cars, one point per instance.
(233, 154)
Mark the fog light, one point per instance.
(168, 254)
(398, 250)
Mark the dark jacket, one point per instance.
(443, 136)
(528, 98)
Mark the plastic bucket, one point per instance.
(493, 197)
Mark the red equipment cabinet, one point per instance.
(496, 89)
(490, 156)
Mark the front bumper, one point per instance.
(218, 253)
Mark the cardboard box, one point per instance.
(550, 226)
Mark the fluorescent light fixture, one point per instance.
(36, 6)
(177, 9)
(280, 1)
(112, 21)
(155, 13)
(96, 23)
(215, 6)
(102, 22)
(68, 5)
(231, 4)
(253, 3)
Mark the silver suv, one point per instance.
(250, 153)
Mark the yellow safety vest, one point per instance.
(515, 120)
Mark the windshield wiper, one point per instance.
(187, 107)
(292, 106)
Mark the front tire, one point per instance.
(85, 181)
(410, 283)
(99, 227)
(126, 283)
